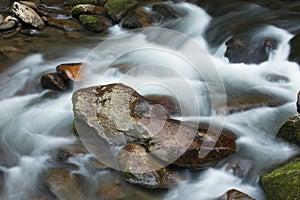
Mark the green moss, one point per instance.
(74, 129)
(290, 130)
(283, 183)
(76, 2)
(94, 23)
(115, 8)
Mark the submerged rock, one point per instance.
(243, 49)
(240, 168)
(53, 81)
(87, 9)
(64, 185)
(283, 182)
(290, 130)
(116, 9)
(138, 18)
(67, 24)
(94, 22)
(235, 195)
(142, 169)
(28, 15)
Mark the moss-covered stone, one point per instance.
(94, 23)
(76, 2)
(290, 130)
(74, 129)
(283, 183)
(87, 9)
(116, 9)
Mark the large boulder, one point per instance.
(27, 15)
(283, 182)
(139, 167)
(116, 115)
(290, 130)
(235, 195)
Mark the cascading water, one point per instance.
(31, 122)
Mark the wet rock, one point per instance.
(69, 71)
(235, 195)
(29, 31)
(298, 103)
(119, 115)
(116, 9)
(29, 4)
(87, 9)
(169, 103)
(53, 81)
(65, 185)
(167, 11)
(76, 2)
(7, 25)
(142, 169)
(290, 130)
(138, 18)
(95, 23)
(240, 168)
(283, 182)
(28, 15)
(67, 24)
(205, 150)
(74, 34)
(247, 50)
(295, 49)
(63, 155)
(112, 192)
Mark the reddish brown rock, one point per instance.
(69, 71)
(66, 24)
(235, 195)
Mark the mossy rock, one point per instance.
(95, 23)
(290, 130)
(283, 183)
(76, 2)
(87, 9)
(116, 9)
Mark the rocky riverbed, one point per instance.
(138, 158)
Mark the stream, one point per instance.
(176, 60)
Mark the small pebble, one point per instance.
(7, 25)
(1, 18)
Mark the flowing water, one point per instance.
(178, 63)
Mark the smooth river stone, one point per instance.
(28, 15)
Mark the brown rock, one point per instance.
(235, 195)
(29, 4)
(53, 81)
(139, 167)
(112, 192)
(67, 24)
(64, 185)
(240, 168)
(167, 11)
(7, 25)
(138, 18)
(169, 103)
